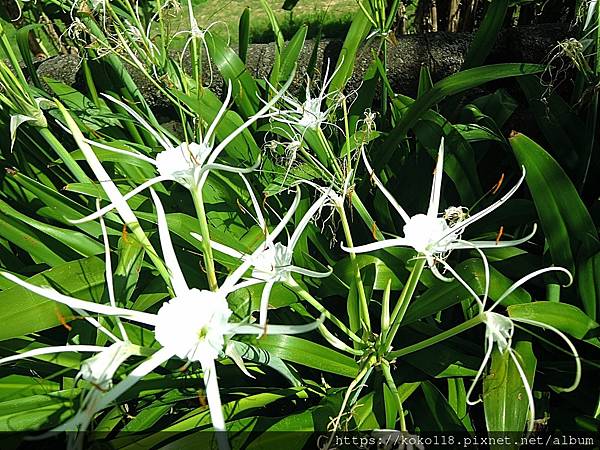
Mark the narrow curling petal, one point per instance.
(528, 277)
(264, 305)
(436, 186)
(49, 350)
(133, 193)
(214, 402)
(150, 129)
(528, 391)
(177, 280)
(568, 341)
(462, 245)
(71, 302)
(484, 212)
(107, 184)
(220, 247)
(375, 245)
(383, 190)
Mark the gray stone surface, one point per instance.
(442, 52)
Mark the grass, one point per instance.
(332, 16)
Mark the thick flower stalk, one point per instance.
(193, 325)
(432, 234)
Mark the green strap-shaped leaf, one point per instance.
(588, 284)
(289, 55)
(233, 69)
(302, 351)
(567, 318)
(451, 85)
(569, 229)
(505, 401)
(486, 35)
(358, 31)
(23, 312)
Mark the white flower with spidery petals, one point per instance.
(499, 331)
(271, 262)
(99, 370)
(310, 114)
(185, 163)
(192, 325)
(431, 234)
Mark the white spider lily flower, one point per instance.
(499, 330)
(271, 262)
(99, 370)
(310, 114)
(193, 325)
(434, 235)
(195, 32)
(185, 163)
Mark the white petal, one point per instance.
(250, 121)
(490, 244)
(396, 242)
(177, 280)
(50, 350)
(218, 117)
(105, 181)
(214, 402)
(264, 305)
(235, 276)
(383, 190)
(138, 316)
(231, 351)
(484, 212)
(465, 284)
(306, 220)
(528, 277)
(568, 341)
(309, 273)
(139, 372)
(15, 122)
(436, 186)
(126, 197)
(220, 247)
(275, 329)
(488, 353)
(158, 136)
(527, 388)
(109, 274)
(259, 216)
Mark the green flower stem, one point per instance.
(403, 301)
(324, 171)
(392, 385)
(365, 215)
(89, 80)
(436, 339)
(63, 154)
(337, 169)
(362, 374)
(553, 292)
(347, 133)
(209, 262)
(363, 305)
(305, 295)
